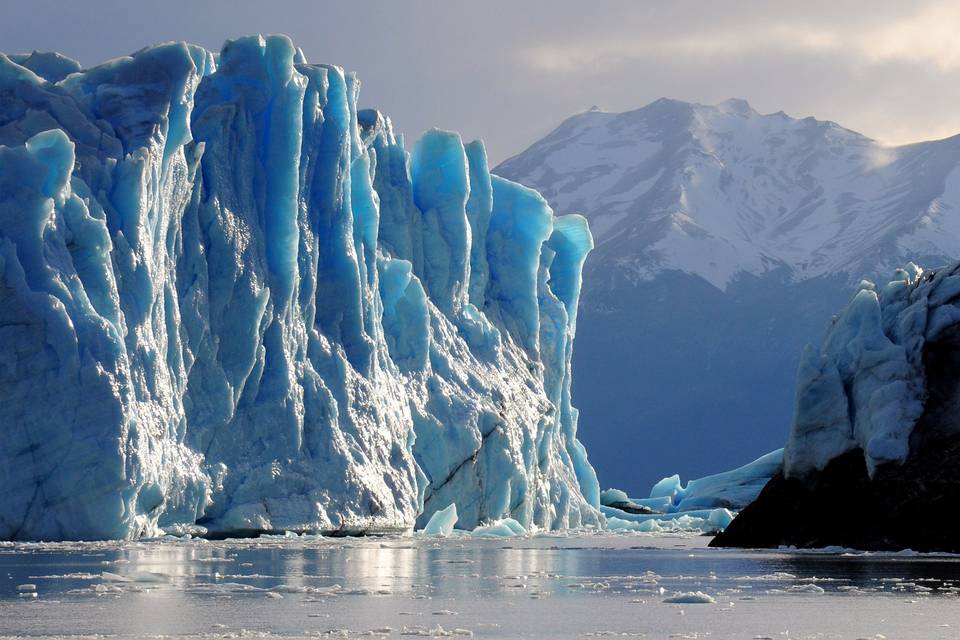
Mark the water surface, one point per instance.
(539, 587)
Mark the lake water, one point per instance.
(549, 586)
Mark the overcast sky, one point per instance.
(509, 71)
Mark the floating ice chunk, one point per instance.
(618, 524)
(505, 528)
(806, 588)
(691, 597)
(108, 576)
(441, 522)
(435, 632)
(720, 518)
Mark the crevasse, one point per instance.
(231, 300)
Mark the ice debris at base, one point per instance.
(865, 387)
(691, 597)
(700, 520)
(231, 299)
(704, 504)
(441, 522)
(441, 525)
(733, 489)
(504, 528)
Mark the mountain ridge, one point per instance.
(726, 240)
(781, 191)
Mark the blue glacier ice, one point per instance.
(441, 523)
(703, 504)
(232, 301)
(732, 489)
(697, 520)
(865, 387)
(503, 528)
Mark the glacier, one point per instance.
(865, 388)
(231, 301)
(875, 417)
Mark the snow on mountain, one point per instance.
(726, 239)
(722, 190)
(231, 300)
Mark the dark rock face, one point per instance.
(902, 507)
(908, 506)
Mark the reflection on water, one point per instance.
(548, 586)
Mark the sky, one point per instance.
(510, 71)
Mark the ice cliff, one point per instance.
(877, 417)
(866, 387)
(231, 300)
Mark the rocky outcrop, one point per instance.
(872, 462)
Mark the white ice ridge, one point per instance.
(704, 504)
(229, 299)
(733, 489)
(866, 386)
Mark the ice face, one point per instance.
(865, 388)
(231, 300)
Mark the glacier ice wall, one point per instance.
(865, 388)
(230, 298)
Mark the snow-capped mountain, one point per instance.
(725, 240)
(718, 191)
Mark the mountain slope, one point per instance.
(725, 240)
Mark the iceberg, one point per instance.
(690, 597)
(865, 387)
(876, 417)
(504, 528)
(232, 300)
(441, 522)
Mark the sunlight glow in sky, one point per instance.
(510, 71)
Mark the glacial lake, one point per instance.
(548, 586)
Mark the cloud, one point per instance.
(509, 71)
(927, 37)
